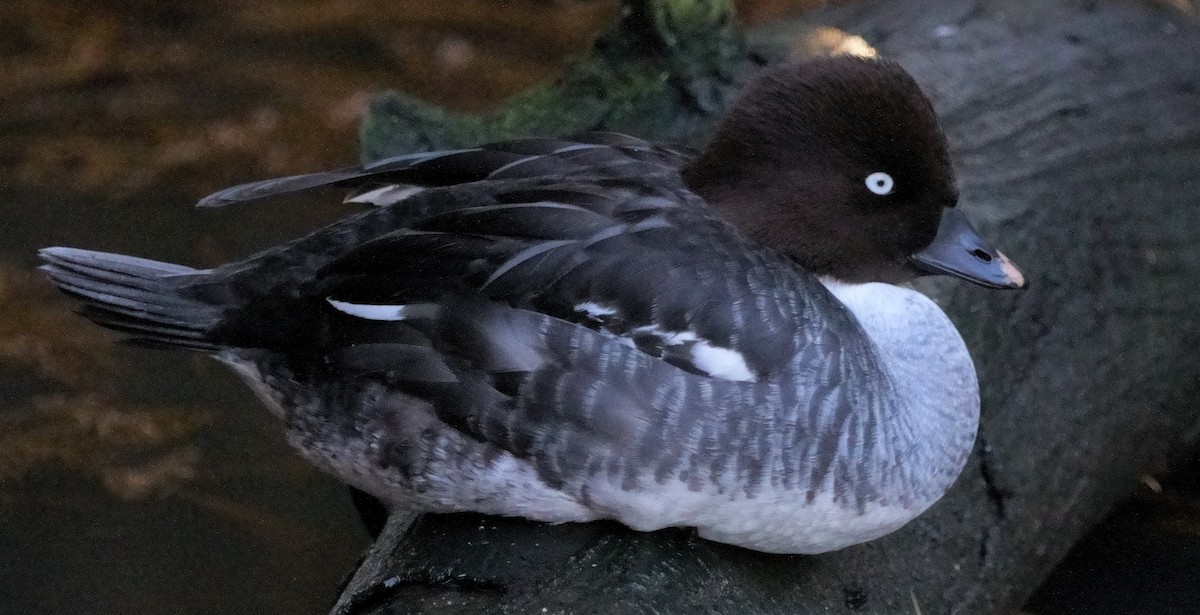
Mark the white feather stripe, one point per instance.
(384, 196)
(595, 310)
(715, 361)
(524, 255)
(669, 338)
(575, 147)
(721, 362)
(504, 167)
(386, 312)
(414, 159)
(535, 205)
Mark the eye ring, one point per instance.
(880, 183)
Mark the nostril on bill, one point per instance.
(981, 255)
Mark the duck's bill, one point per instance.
(959, 251)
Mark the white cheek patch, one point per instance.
(386, 312)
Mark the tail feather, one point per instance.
(138, 297)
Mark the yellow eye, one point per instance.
(880, 183)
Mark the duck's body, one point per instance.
(567, 330)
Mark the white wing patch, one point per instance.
(386, 312)
(595, 310)
(716, 361)
(721, 362)
(669, 338)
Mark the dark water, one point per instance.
(133, 481)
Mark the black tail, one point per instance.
(142, 298)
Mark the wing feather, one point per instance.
(601, 220)
(517, 159)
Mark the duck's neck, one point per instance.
(931, 369)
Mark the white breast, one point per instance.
(935, 377)
(921, 349)
(933, 372)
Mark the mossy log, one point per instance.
(1076, 129)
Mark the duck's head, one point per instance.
(840, 164)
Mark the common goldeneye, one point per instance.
(601, 328)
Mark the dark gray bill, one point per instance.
(958, 250)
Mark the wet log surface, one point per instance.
(1143, 559)
(1076, 127)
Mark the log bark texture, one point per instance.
(1076, 129)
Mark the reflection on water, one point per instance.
(53, 342)
(134, 452)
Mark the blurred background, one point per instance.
(140, 482)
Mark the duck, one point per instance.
(599, 327)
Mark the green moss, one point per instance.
(664, 72)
